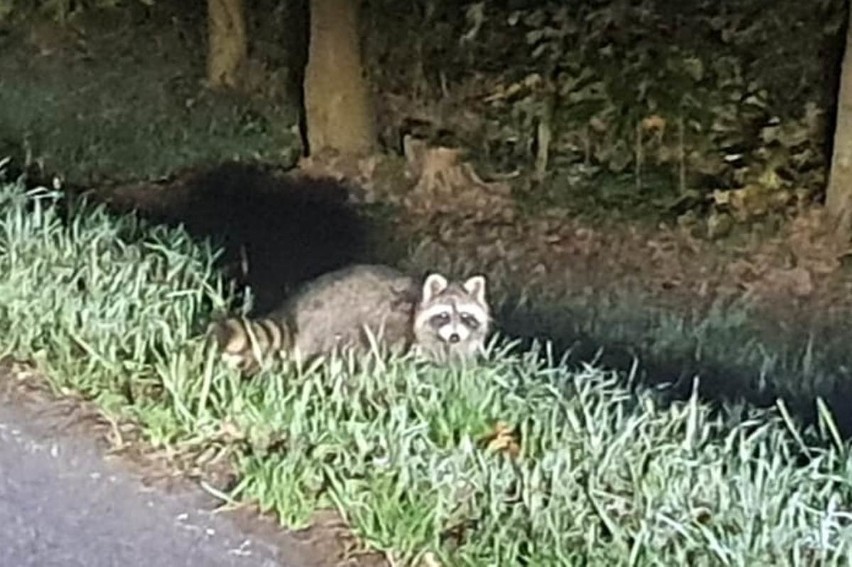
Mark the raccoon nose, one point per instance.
(454, 338)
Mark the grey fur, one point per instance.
(331, 313)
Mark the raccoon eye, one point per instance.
(441, 318)
(469, 320)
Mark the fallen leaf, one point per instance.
(504, 439)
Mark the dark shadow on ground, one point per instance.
(283, 233)
(744, 368)
(276, 231)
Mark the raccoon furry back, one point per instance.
(350, 308)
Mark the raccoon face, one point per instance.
(452, 320)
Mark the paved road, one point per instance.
(62, 504)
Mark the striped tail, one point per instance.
(246, 344)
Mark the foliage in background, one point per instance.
(519, 461)
(60, 10)
(639, 107)
(713, 96)
(84, 100)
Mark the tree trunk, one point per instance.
(338, 111)
(227, 46)
(838, 201)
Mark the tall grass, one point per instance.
(112, 309)
(740, 352)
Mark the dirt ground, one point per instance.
(801, 276)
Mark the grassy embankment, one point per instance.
(112, 308)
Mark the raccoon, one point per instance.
(347, 309)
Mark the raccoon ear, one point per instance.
(434, 284)
(475, 286)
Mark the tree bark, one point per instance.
(338, 110)
(227, 46)
(838, 201)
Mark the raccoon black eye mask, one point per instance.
(452, 319)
